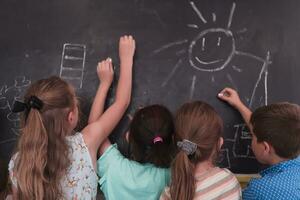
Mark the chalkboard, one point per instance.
(186, 50)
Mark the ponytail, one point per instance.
(32, 159)
(183, 181)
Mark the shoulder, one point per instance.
(254, 189)
(11, 169)
(109, 158)
(112, 160)
(165, 195)
(76, 138)
(227, 174)
(76, 143)
(220, 183)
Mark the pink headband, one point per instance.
(157, 139)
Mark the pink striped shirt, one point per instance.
(215, 184)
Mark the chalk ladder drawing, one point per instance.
(73, 63)
(199, 55)
(7, 97)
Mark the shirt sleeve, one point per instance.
(110, 156)
(11, 166)
(165, 195)
(249, 193)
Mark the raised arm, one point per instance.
(231, 96)
(105, 74)
(96, 132)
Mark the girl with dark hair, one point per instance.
(146, 173)
(198, 132)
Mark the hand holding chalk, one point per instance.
(126, 49)
(105, 72)
(230, 96)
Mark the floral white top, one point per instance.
(80, 182)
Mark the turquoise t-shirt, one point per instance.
(121, 178)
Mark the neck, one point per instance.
(276, 159)
(203, 166)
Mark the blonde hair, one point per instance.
(199, 123)
(42, 149)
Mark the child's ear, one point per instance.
(267, 148)
(221, 142)
(71, 116)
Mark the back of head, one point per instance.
(279, 125)
(198, 123)
(151, 136)
(42, 149)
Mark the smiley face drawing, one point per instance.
(221, 49)
(211, 54)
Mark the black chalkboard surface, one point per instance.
(186, 50)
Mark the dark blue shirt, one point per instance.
(280, 181)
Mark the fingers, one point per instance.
(105, 65)
(227, 94)
(127, 40)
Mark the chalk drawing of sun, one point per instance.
(212, 50)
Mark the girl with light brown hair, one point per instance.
(53, 162)
(198, 131)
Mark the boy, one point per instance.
(275, 133)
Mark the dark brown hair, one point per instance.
(42, 149)
(148, 123)
(279, 125)
(199, 123)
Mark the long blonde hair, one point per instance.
(42, 157)
(199, 123)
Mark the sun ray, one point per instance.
(241, 31)
(172, 73)
(232, 82)
(166, 46)
(193, 26)
(203, 44)
(231, 15)
(212, 79)
(214, 17)
(249, 55)
(198, 12)
(180, 52)
(193, 87)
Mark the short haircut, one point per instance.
(279, 125)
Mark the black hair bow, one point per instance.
(32, 102)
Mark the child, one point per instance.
(146, 174)
(276, 142)
(194, 176)
(51, 162)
